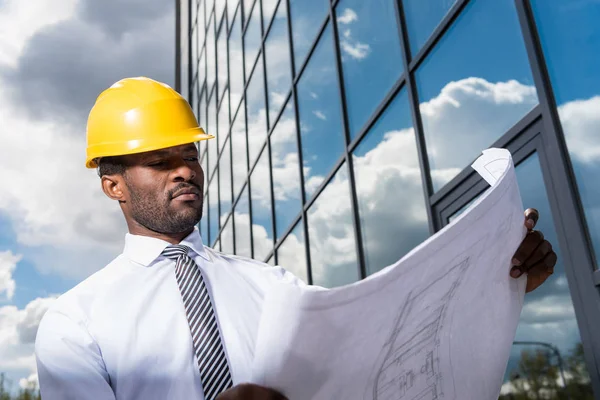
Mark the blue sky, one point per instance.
(56, 219)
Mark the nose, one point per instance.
(183, 173)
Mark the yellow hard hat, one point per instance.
(136, 115)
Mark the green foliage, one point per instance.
(30, 393)
(538, 377)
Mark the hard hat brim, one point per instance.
(141, 146)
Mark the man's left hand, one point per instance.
(535, 256)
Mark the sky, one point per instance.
(57, 228)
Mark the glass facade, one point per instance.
(345, 130)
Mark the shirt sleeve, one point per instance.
(69, 361)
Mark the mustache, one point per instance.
(182, 186)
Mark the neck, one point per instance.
(172, 238)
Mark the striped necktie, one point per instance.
(212, 361)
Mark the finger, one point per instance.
(540, 272)
(532, 216)
(528, 245)
(538, 255)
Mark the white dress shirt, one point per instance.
(123, 333)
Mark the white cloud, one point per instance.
(8, 263)
(31, 382)
(348, 16)
(581, 125)
(17, 336)
(319, 114)
(20, 20)
(358, 51)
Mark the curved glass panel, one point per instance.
(331, 235)
(473, 87)
(225, 180)
(320, 115)
(236, 63)
(389, 188)
(371, 55)
(242, 226)
(252, 40)
(307, 17)
(422, 17)
(257, 112)
(286, 170)
(291, 255)
(222, 65)
(239, 150)
(570, 37)
(213, 208)
(279, 72)
(262, 226)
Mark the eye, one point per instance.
(192, 159)
(156, 164)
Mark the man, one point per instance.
(169, 318)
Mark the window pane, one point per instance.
(239, 148)
(184, 45)
(247, 8)
(291, 255)
(286, 170)
(279, 73)
(201, 24)
(213, 208)
(242, 226)
(307, 17)
(387, 174)
(227, 238)
(570, 37)
(371, 55)
(547, 314)
(252, 40)
(210, 54)
(194, 59)
(222, 59)
(194, 10)
(320, 116)
(219, 7)
(236, 63)
(331, 235)
(225, 180)
(257, 116)
(474, 86)
(422, 17)
(202, 68)
(231, 9)
(268, 10)
(212, 129)
(223, 121)
(262, 228)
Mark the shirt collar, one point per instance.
(144, 249)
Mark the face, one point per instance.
(164, 189)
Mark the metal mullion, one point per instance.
(189, 50)
(413, 100)
(362, 268)
(503, 141)
(308, 55)
(294, 98)
(178, 46)
(573, 234)
(436, 35)
(396, 88)
(267, 28)
(269, 128)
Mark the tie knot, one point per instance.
(175, 251)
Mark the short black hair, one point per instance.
(110, 166)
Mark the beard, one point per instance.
(158, 215)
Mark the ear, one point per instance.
(114, 187)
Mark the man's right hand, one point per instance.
(248, 391)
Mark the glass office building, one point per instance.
(345, 130)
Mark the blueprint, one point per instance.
(437, 324)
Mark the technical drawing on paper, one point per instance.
(408, 365)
